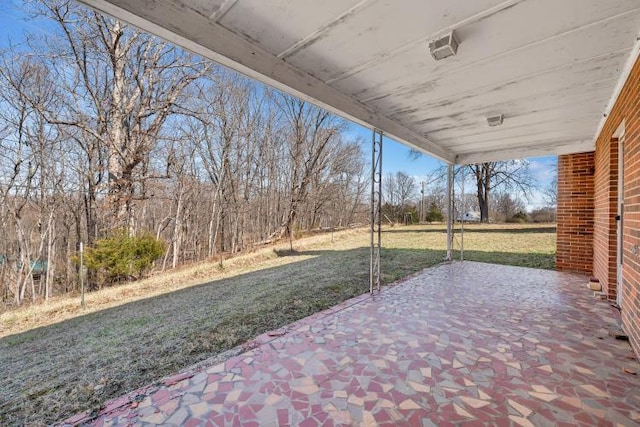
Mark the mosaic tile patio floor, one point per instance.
(460, 344)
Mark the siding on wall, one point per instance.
(627, 108)
(575, 213)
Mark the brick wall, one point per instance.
(575, 212)
(605, 211)
(627, 108)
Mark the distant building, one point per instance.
(471, 216)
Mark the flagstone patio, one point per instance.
(458, 344)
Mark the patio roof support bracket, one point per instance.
(376, 210)
(450, 212)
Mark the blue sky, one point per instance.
(14, 22)
(395, 156)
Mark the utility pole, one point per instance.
(422, 215)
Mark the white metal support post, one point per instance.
(450, 212)
(464, 211)
(376, 207)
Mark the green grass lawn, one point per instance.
(56, 360)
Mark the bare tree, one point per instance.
(33, 177)
(399, 191)
(122, 86)
(102, 127)
(313, 135)
(511, 175)
(507, 205)
(406, 186)
(550, 193)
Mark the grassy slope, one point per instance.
(56, 360)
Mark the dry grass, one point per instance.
(61, 308)
(56, 359)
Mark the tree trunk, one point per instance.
(119, 179)
(177, 229)
(483, 175)
(49, 272)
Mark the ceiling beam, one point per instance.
(183, 26)
(222, 10)
(522, 152)
(311, 38)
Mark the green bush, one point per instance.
(434, 214)
(411, 215)
(121, 256)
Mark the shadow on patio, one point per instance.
(487, 344)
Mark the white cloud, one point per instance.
(543, 170)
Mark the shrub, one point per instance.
(411, 215)
(434, 214)
(547, 214)
(123, 256)
(519, 218)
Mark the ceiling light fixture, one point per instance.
(444, 47)
(495, 120)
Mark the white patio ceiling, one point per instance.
(552, 67)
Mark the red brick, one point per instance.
(587, 206)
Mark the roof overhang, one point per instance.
(551, 68)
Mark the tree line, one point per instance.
(105, 129)
(496, 191)
(108, 134)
